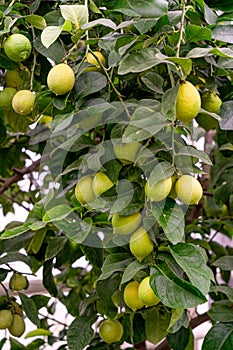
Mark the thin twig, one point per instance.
(15, 201)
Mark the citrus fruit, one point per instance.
(18, 282)
(131, 296)
(46, 119)
(159, 190)
(84, 191)
(111, 331)
(125, 224)
(126, 152)
(6, 318)
(16, 79)
(140, 244)
(206, 121)
(6, 96)
(188, 189)
(17, 326)
(211, 102)
(101, 183)
(172, 193)
(93, 60)
(17, 47)
(61, 79)
(188, 102)
(146, 293)
(23, 102)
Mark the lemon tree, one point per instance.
(116, 142)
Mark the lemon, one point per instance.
(146, 293)
(6, 318)
(23, 102)
(131, 296)
(17, 326)
(84, 191)
(188, 102)
(6, 96)
(101, 183)
(172, 193)
(211, 102)
(126, 152)
(111, 331)
(61, 79)
(46, 119)
(18, 282)
(140, 244)
(16, 79)
(125, 225)
(93, 60)
(159, 191)
(188, 189)
(17, 47)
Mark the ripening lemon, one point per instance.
(126, 152)
(101, 183)
(140, 244)
(125, 224)
(61, 79)
(6, 96)
(211, 102)
(6, 318)
(188, 102)
(146, 293)
(188, 189)
(17, 47)
(46, 119)
(17, 79)
(17, 326)
(159, 191)
(131, 296)
(23, 102)
(18, 282)
(111, 331)
(84, 191)
(93, 60)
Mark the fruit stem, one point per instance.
(181, 30)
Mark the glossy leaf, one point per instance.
(76, 14)
(131, 270)
(219, 337)
(30, 309)
(80, 332)
(225, 263)
(156, 325)
(221, 311)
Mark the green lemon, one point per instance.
(84, 190)
(23, 102)
(111, 331)
(95, 61)
(140, 244)
(211, 102)
(146, 293)
(125, 225)
(61, 79)
(172, 193)
(17, 79)
(6, 96)
(188, 189)
(131, 296)
(6, 318)
(188, 102)
(17, 327)
(17, 47)
(159, 191)
(101, 183)
(126, 152)
(18, 282)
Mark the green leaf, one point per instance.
(169, 102)
(76, 14)
(193, 152)
(38, 333)
(105, 290)
(175, 316)
(181, 294)
(50, 35)
(30, 309)
(76, 231)
(131, 270)
(15, 256)
(153, 81)
(55, 245)
(228, 291)
(84, 84)
(171, 218)
(36, 21)
(48, 278)
(196, 33)
(191, 259)
(57, 213)
(221, 311)
(184, 63)
(161, 171)
(149, 8)
(114, 263)
(101, 21)
(55, 51)
(156, 325)
(223, 33)
(80, 332)
(226, 123)
(14, 232)
(225, 263)
(219, 337)
(181, 340)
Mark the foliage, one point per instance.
(150, 47)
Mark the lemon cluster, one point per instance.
(12, 319)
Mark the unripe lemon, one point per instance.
(188, 102)
(159, 191)
(140, 244)
(18, 282)
(23, 102)
(131, 296)
(17, 328)
(172, 193)
(6, 96)
(84, 191)
(111, 331)
(146, 293)
(125, 225)
(126, 152)
(101, 183)
(188, 189)
(61, 79)
(211, 102)
(13, 79)
(6, 318)
(17, 47)
(93, 60)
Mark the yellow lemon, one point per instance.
(188, 189)
(131, 296)
(111, 331)
(125, 225)
(17, 47)
(84, 191)
(159, 191)
(61, 79)
(46, 119)
(140, 244)
(6, 96)
(95, 61)
(188, 102)
(101, 183)
(126, 152)
(23, 102)
(146, 293)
